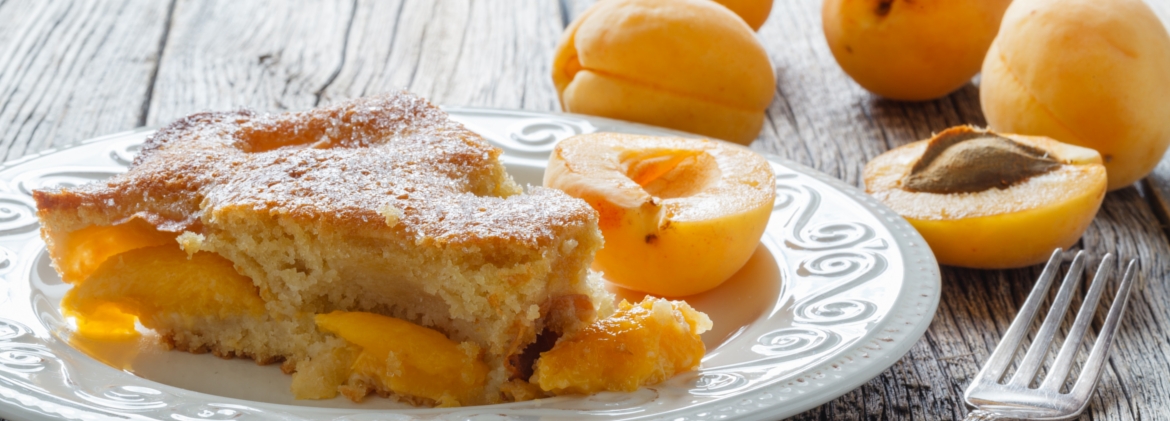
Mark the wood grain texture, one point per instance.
(267, 56)
(73, 70)
(462, 52)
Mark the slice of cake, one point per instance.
(232, 230)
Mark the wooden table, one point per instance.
(74, 70)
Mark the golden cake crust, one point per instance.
(387, 162)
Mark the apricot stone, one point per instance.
(1017, 222)
(690, 65)
(911, 50)
(754, 12)
(1090, 73)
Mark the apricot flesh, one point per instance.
(1090, 73)
(409, 359)
(641, 344)
(691, 65)
(911, 50)
(85, 249)
(1009, 227)
(156, 284)
(679, 216)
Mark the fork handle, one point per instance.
(981, 415)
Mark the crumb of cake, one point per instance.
(190, 242)
(392, 214)
(519, 390)
(405, 359)
(325, 370)
(641, 344)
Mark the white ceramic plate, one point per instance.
(839, 290)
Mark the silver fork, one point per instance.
(1016, 398)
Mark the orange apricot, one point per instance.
(987, 200)
(691, 65)
(911, 50)
(754, 12)
(679, 216)
(1085, 72)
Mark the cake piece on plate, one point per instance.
(232, 230)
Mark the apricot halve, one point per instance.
(679, 216)
(988, 200)
(690, 65)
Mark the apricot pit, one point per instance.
(987, 200)
(969, 162)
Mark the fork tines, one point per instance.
(994, 369)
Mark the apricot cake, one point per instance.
(235, 233)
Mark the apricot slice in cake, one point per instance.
(87, 248)
(988, 200)
(156, 283)
(409, 360)
(679, 216)
(641, 344)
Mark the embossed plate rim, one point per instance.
(833, 374)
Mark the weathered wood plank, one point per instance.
(266, 56)
(459, 52)
(74, 70)
(823, 119)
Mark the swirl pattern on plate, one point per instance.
(857, 284)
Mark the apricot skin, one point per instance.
(1089, 73)
(970, 231)
(1011, 240)
(911, 50)
(690, 65)
(754, 12)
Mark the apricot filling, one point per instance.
(153, 283)
(407, 359)
(987, 200)
(641, 344)
(85, 249)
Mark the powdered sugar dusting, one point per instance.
(339, 165)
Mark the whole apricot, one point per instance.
(754, 12)
(691, 65)
(679, 216)
(1090, 73)
(987, 200)
(911, 50)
